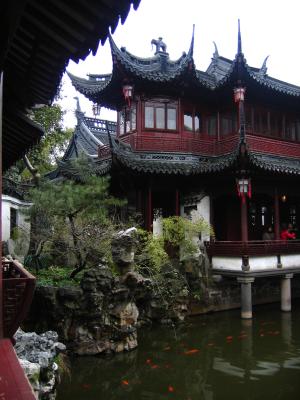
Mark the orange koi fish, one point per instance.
(125, 383)
(242, 336)
(86, 386)
(192, 351)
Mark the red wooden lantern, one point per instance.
(128, 93)
(239, 94)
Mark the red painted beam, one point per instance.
(14, 384)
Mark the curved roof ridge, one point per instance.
(86, 130)
(88, 86)
(146, 66)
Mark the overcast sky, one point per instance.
(268, 28)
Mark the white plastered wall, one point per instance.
(19, 247)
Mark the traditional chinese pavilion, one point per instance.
(224, 142)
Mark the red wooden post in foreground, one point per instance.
(14, 384)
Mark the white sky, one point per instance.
(268, 28)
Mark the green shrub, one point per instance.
(57, 276)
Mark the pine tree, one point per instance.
(80, 210)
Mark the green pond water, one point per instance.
(216, 356)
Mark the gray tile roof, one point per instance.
(160, 69)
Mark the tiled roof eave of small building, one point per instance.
(171, 163)
(275, 163)
(89, 86)
(188, 164)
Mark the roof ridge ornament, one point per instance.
(216, 53)
(78, 108)
(159, 44)
(78, 112)
(263, 69)
(191, 51)
(239, 49)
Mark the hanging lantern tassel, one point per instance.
(244, 189)
(249, 189)
(240, 192)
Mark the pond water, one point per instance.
(211, 357)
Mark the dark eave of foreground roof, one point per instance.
(38, 38)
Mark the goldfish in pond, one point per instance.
(242, 336)
(86, 386)
(125, 382)
(192, 351)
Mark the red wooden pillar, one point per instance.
(149, 210)
(276, 216)
(1, 281)
(177, 204)
(244, 219)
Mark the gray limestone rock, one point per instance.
(36, 354)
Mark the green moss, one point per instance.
(63, 363)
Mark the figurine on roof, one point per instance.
(159, 45)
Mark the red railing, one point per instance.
(252, 248)
(162, 142)
(18, 289)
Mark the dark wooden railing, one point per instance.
(252, 248)
(18, 289)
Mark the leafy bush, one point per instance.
(154, 252)
(57, 276)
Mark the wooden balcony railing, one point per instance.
(252, 248)
(163, 142)
(205, 145)
(18, 289)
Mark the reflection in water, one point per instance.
(215, 357)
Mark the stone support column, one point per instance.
(286, 328)
(246, 297)
(286, 292)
